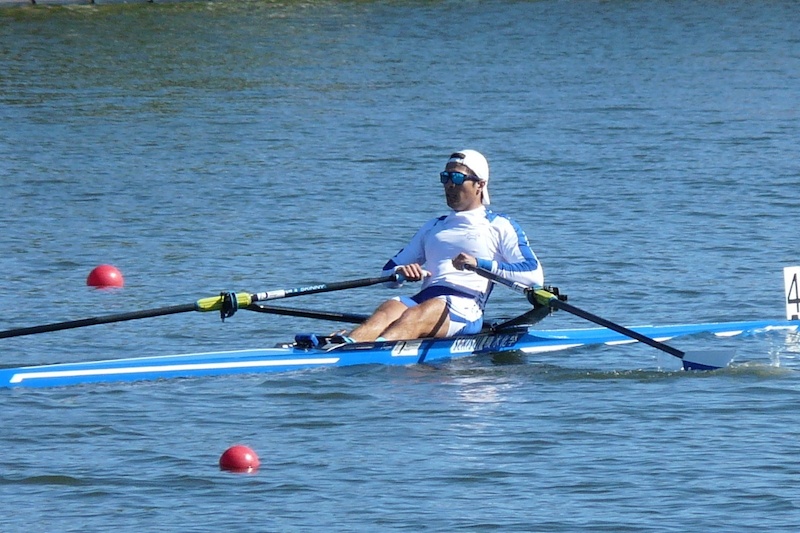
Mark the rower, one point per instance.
(452, 299)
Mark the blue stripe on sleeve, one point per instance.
(530, 263)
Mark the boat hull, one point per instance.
(292, 358)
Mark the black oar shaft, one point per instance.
(71, 324)
(558, 304)
(214, 303)
(546, 298)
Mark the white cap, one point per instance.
(477, 164)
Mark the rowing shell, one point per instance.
(408, 352)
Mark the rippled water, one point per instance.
(649, 148)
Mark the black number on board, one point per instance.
(793, 296)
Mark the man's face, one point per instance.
(465, 196)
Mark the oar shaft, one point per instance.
(322, 287)
(122, 317)
(518, 287)
(243, 299)
(212, 303)
(544, 297)
(558, 304)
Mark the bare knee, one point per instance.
(429, 319)
(386, 314)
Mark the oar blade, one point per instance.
(707, 359)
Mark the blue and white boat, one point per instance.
(301, 356)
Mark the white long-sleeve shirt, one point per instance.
(495, 240)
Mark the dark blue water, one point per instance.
(649, 149)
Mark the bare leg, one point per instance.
(371, 329)
(428, 319)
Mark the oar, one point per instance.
(226, 303)
(707, 360)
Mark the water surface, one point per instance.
(648, 148)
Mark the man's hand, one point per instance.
(464, 259)
(412, 272)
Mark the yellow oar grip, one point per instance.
(214, 303)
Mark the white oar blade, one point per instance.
(707, 359)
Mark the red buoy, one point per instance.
(239, 458)
(105, 276)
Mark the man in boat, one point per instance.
(452, 299)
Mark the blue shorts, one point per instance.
(466, 316)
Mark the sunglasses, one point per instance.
(458, 178)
